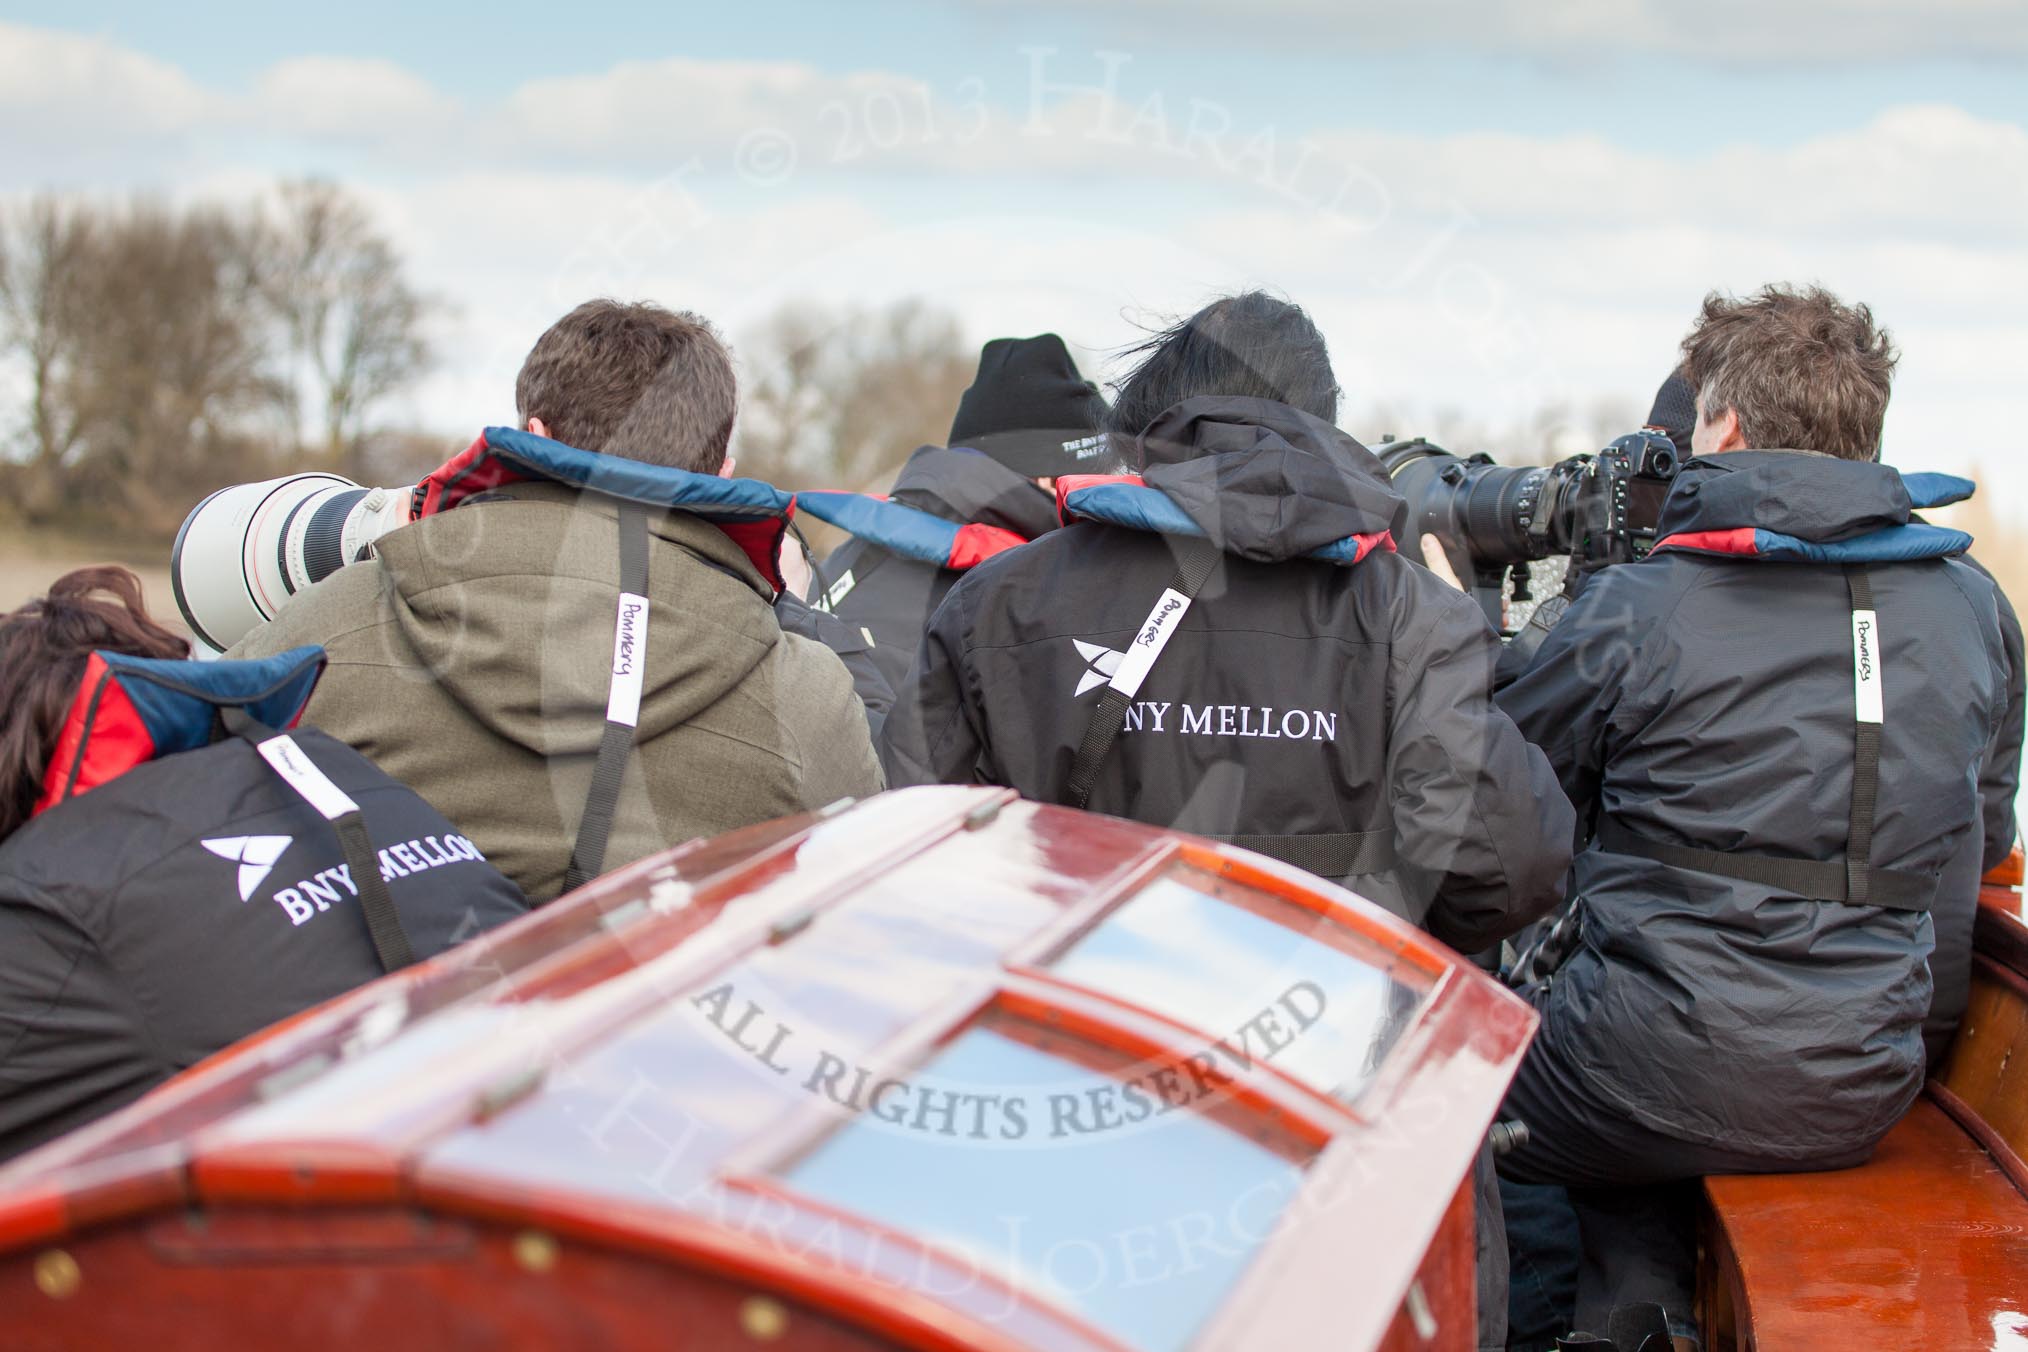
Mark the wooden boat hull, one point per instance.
(608, 1124)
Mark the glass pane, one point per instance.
(1140, 1227)
(1263, 989)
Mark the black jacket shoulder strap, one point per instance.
(623, 702)
(288, 758)
(1193, 567)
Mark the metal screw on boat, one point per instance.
(57, 1274)
(762, 1319)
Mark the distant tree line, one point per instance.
(151, 352)
(839, 397)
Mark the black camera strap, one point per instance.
(1193, 566)
(623, 702)
(1853, 880)
(287, 758)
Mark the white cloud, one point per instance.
(1720, 32)
(85, 91)
(789, 126)
(347, 99)
(644, 109)
(1488, 271)
(1926, 166)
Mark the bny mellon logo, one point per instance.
(255, 855)
(1101, 662)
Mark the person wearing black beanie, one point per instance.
(1029, 409)
(1028, 418)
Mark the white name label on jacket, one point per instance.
(828, 600)
(1871, 705)
(630, 657)
(315, 786)
(1148, 643)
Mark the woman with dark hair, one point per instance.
(1246, 346)
(1227, 643)
(43, 650)
(172, 878)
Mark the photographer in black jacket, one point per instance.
(1227, 643)
(1772, 728)
(1319, 699)
(164, 892)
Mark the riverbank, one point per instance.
(31, 560)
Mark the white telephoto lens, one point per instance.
(328, 529)
(227, 565)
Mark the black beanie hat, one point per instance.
(1675, 411)
(1030, 410)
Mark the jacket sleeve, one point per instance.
(854, 651)
(1476, 810)
(1565, 700)
(829, 726)
(2000, 772)
(933, 735)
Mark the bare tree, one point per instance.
(171, 371)
(838, 398)
(43, 248)
(351, 316)
(161, 351)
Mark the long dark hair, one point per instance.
(1252, 344)
(44, 646)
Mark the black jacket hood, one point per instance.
(1811, 497)
(967, 486)
(1267, 481)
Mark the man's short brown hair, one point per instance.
(1803, 370)
(637, 381)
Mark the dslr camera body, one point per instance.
(1494, 520)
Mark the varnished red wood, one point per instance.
(547, 1109)
(1986, 1072)
(457, 1284)
(1448, 1283)
(1925, 1246)
(1331, 1242)
(1979, 1129)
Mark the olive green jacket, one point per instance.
(470, 660)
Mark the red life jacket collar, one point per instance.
(131, 710)
(753, 514)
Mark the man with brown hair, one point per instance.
(478, 658)
(1772, 730)
(652, 385)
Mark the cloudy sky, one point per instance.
(1490, 207)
